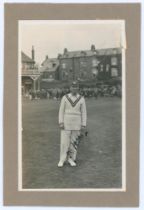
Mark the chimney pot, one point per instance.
(33, 53)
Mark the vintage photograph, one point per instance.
(71, 105)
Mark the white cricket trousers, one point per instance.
(68, 146)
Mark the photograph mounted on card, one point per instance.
(73, 104)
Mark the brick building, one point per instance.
(49, 69)
(92, 64)
(49, 72)
(86, 66)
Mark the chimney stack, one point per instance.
(65, 51)
(93, 47)
(33, 53)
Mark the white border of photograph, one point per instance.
(123, 47)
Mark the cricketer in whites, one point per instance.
(72, 121)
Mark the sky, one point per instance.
(51, 37)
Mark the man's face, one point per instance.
(74, 90)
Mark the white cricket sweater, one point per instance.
(72, 112)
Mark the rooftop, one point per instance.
(109, 51)
(26, 59)
(49, 64)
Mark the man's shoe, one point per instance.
(71, 162)
(60, 164)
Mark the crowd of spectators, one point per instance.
(87, 92)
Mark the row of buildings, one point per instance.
(88, 67)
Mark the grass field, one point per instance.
(99, 154)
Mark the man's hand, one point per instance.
(61, 125)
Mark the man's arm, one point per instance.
(61, 112)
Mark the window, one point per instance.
(101, 68)
(95, 62)
(114, 61)
(114, 72)
(107, 68)
(63, 65)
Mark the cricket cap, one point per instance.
(75, 84)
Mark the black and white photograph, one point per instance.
(71, 105)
